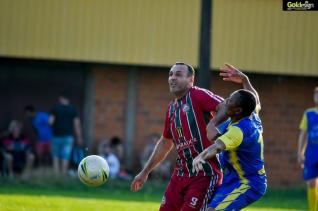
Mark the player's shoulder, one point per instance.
(249, 123)
(170, 105)
(199, 90)
(311, 110)
(201, 93)
(241, 125)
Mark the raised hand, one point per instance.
(230, 73)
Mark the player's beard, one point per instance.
(178, 91)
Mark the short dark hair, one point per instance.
(191, 71)
(114, 141)
(29, 108)
(247, 101)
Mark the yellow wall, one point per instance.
(255, 35)
(259, 36)
(116, 31)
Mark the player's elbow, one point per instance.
(212, 132)
(164, 144)
(219, 145)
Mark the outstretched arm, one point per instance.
(207, 154)
(163, 147)
(230, 73)
(228, 141)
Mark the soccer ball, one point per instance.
(93, 170)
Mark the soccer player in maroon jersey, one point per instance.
(187, 117)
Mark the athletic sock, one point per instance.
(312, 199)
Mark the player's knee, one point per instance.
(312, 183)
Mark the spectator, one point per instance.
(162, 171)
(3, 163)
(107, 153)
(118, 149)
(17, 150)
(40, 122)
(64, 119)
(116, 144)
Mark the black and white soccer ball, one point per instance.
(93, 170)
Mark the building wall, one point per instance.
(284, 98)
(152, 101)
(114, 31)
(24, 82)
(283, 101)
(110, 103)
(255, 35)
(259, 37)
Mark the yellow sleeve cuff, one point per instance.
(303, 123)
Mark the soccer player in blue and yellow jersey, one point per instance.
(241, 144)
(308, 140)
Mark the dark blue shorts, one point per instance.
(234, 196)
(310, 171)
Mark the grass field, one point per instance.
(41, 194)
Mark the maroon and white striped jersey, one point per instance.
(185, 123)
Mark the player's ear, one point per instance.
(191, 79)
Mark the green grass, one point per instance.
(69, 194)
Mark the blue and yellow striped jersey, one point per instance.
(243, 158)
(309, 123)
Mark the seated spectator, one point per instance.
(107, 153)
(3, 163)
(163, 170)
(40, 122)
(17, 150)
(118, 149)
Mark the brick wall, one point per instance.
(283, 102)
(110, 103)
(152, 100)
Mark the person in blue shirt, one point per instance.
(307, 151)
(40, 122)
(240, 143)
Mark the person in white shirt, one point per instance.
(107, 153)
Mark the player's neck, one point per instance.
(236, 119)
(180, 95)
